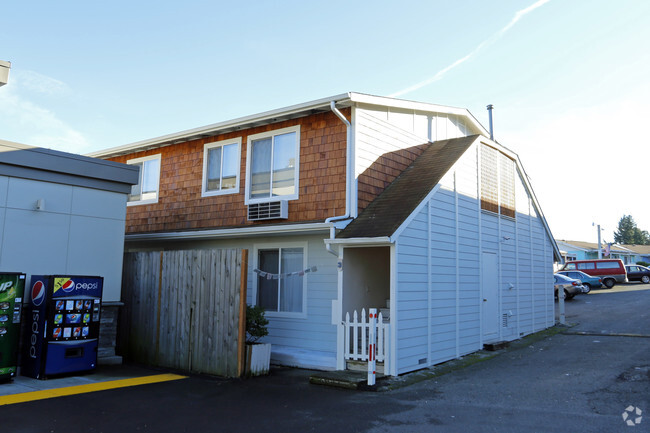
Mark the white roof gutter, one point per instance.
(382, 240)
(229, 233)
(348, 178)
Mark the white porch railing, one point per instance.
(356, 333)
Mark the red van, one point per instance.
(611, 271)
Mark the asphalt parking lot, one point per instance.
(584, 379)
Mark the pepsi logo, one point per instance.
(38, 293)
(68, 286)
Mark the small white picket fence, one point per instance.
(357, 331)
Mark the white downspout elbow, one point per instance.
(348, 177)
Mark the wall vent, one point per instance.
(268, 211)
(504, 321)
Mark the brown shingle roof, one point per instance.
(390, 209)
(639, 249)
(594, 245)
(581, 244)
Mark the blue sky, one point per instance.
(568, 79)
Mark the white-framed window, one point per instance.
(146, 190)
(280, 281)
(272, 165)
(221, 167)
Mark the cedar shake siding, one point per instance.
(180, 204)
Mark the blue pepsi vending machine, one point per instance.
(62, 335)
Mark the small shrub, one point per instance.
(646, 264)
(256, 323)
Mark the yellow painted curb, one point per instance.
(91, 387)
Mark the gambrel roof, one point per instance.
(389, 210)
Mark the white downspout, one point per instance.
(348, 178)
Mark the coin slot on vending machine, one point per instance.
(17, 310)
(76, 352)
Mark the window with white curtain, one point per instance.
(280, 282)
(273, 165)
(221, 167)
(146, 190)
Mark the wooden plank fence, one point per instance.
(182, 309)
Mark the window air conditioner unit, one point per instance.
(268, 211)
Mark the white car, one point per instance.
(570, 286)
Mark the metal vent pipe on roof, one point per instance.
(489, 108)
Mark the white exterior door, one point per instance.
(490, 297)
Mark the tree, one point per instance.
(629, 234)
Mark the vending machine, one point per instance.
(12, 286)
(63, 317)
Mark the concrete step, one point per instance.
(363, 366)
(347, 379)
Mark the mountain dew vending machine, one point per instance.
(63, 325)
(11, 300)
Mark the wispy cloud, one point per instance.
(27, 121)
(42, 84)
(438, 76)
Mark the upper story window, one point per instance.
(221, 167)
(272, 165)
(146, 190)
(497, 182)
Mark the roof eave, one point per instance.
(280, 114)
(379, 240)
(220, 127)
(417, 106)
(229, 233)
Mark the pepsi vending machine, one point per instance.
(63, 325)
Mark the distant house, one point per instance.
(641, 252)
(578, 250)
(63, 213)
(357, 201)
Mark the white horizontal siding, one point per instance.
(375, 137)
(459, 232)
(412, 299)
(381, 130)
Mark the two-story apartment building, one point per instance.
(350, 202)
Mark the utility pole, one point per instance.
(600, 250)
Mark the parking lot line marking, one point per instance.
(91, 387)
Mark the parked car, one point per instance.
(638, 273)
(611, 271)
(570, 286)
(587, 280)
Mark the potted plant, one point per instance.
(258, 355)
